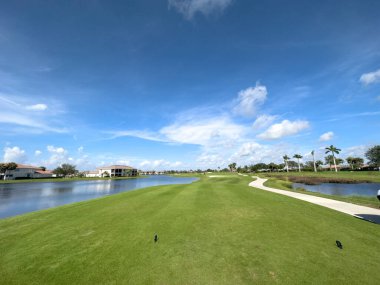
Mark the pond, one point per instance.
(360, 189)
(19, 198)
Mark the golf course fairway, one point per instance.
(214, 231)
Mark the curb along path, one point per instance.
(362, 212)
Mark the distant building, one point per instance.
(113, 171)
(91, 173)
(27, 171)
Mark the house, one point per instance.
(112, 171)
(91, 173)
(24, 171)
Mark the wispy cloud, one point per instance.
(370, 78)
(249, 100)
(263, 121)
(29, 118)
(146, 135)
(37, 107)
(354, 115)
(188, 8)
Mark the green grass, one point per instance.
(373, 176)
(372, 202)
(64, 179)
(214, 231)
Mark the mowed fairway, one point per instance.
(214, 231)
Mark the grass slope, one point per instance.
(215, 231)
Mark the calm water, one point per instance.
(21, 198)
(361, 189)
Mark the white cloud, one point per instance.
(56, 150)
(190, 7)
(80, 149)
(218, 130)
(211, 160)
(326, 137)
(371, 77)
(283, 129)
(356, 151)
(249, 100)
(263, 121)
(37, 153)
(58, 156)
(159, 164)
(37, 107)
(14, 154)
(248, 149)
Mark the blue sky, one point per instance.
(180, 84)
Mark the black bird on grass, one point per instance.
(339, 244)
(155, 237)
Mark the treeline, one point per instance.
(330, 160)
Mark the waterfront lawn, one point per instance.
(214, 231)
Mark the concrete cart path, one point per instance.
(366, 213)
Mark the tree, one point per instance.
(65, 169)
(232, 166)
(333, 150)
(350, 160)
(272, 166)
(355, 162)
(315, 167)
(43, 168)
(373, 155)
(298, 156)
(286, 158)
(7, 166)
(318, 163)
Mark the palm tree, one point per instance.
(298, 156)
(333, 150)
(286, 158)
(351, 161)
(315, 168)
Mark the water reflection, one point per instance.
(361, 189)
(21, 198)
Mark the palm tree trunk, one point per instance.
(299, 166)
(287, 167)
(336, 170)
(315, 168)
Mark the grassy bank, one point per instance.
(65, 179)
(214, 231)
(365, 176)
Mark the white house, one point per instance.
(113, 171)
(92, 173)
(27, 171)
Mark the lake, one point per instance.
(360, 189)
(19, 198)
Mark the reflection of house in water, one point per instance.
(152, 172)
(113, 171)
(23, 171)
